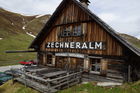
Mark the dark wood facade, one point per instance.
(111, 61)
(73, 16)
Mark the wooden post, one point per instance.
(48, 87)
(12, 75)
(84, 28)
(104, 67)
(53, 60)
(38, 60)
(44, 55)
(86, 64)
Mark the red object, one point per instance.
(26, 63)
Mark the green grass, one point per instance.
(15, 88)
(92, 88)
(134, 41)
(80, 88)
(15, 42)
(37, 24)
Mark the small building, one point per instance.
(75, 38)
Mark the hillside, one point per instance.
(11, 23)
(133, 40)
(15, 36)
(37, 24)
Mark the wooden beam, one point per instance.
(109, 57)
(73, 23)
(26, 51)
(121, 58)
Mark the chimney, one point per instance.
(85, 3)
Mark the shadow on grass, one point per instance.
(2, 90)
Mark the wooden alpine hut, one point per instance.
(75, 38)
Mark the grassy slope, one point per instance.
(15, 38)
(17, 42)
(37, 24)
(15, 88)
(134, 41)
(12, 23)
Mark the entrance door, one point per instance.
(95, 66)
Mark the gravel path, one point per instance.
(5, 68)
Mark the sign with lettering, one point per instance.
(77, 45)
(70, 55)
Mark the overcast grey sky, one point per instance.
(122, 15)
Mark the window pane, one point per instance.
(66, 31)
(77, 30)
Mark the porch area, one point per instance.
(46, 79)
(50, 79)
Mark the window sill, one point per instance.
(95, 72)
(71, 36)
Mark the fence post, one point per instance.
(129, 73)
(68, 79)
(48, 87)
